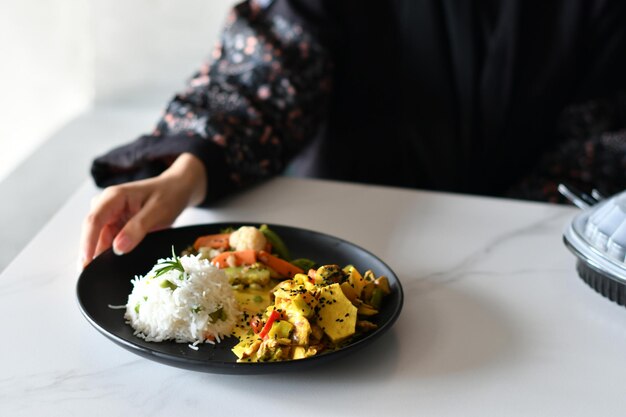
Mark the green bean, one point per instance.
(278, 245)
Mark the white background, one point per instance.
(61, 58)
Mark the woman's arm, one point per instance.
(240, 120)
(248, 112)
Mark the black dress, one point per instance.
(464, 96)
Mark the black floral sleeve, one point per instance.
(244, 114)
(591, 153)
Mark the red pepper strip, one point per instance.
(268, 325)
(256, 324)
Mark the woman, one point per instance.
(450, 95)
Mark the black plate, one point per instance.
(106, 281)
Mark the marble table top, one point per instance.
(495, 320)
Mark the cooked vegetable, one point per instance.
(308, 311)
(247, 237)
(377, 298)
(282, 267)
(309, 316)
(255, 274)
(367, 310)
(281, 329)
(349, 291)
(218, 314)
(337, 315)
(235, 258)
(383, 284)
(274, 315)
(168, 284)
(215, 241)
(355, 279)
(303, 263)
(256, 324)
(329, 274)
(277, 243)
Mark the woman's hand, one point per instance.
(123, 214)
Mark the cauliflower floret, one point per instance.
(247, 237)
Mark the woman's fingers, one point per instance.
(92, 228)
(106, 238)
(153, 215)
(98, 229)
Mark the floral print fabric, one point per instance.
(590, 155)
(258, 102)
(261, 98)
(264, 93)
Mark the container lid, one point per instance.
(598, 237)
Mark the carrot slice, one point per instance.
(282, 267)
(242, 257)
(216, 241)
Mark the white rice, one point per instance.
(182, 314)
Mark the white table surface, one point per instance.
(495, 320)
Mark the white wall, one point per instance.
(46, 75)
(59, 57)
(147, 49)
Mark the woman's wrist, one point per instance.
(189, 173)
